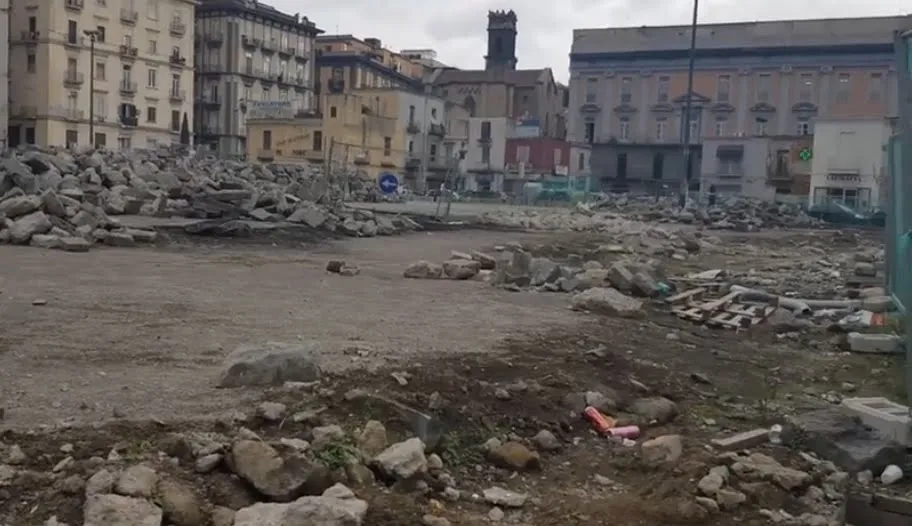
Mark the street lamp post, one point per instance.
(93, 35)
(688, 168)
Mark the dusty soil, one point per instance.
(132, 335)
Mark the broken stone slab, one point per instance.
(424, 270)
(282, 479)
(270, 364)
(620, 277)
(832, 435)
(874, 343)
(401, 461)
(22, 229)
(741, 441)
(488, 262)
(74, 244)
(605, 300)
(461, 268)
(319, 511)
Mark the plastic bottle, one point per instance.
(625, 432)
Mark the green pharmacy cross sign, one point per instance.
(805, 154)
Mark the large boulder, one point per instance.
(268, 364)
(280, 478)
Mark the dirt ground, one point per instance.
(137, 334)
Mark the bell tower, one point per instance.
(501, 41)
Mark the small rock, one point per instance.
(515, 456)
(667, 448)
(271, 411)
(546, 441)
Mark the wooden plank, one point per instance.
(721, 303)
(686, 295)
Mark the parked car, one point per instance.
(842, 214)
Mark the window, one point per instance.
(661, 125)
(101, 140)
(153, 47)
(175, 83)
(626, 90)
(151, 114)
(875, 90)
(843, 88)
(72, 138)
(175, 120)
(411, 147)
(662, 89)
(100, 34)
(318, 141)
(804, 127)
(387, 146)
(557, 156)
(486, 129)
(590, 131)
(522, 153)
(411, 114)
(72, 66)
(658, 165)
(591, 89)
(761, 127)
(73, 101)
(152, 9)
(332, 112)
(694, 128)
(30, 135)
(433, 113)
(763, 87)
(721, 126)
(728, 166)
(101, 103)
(33, 24)
(72, 32)
(806, 89)
(152, 78)
(126, 73)
(433, 152)
(31, 64)
(100, 71)
(128, 40)
(723, 88)
(625, 128)
(267, 65)
(486, 155)
(581, 161)
(267, 139)
(124, 143)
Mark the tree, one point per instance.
(185, 131)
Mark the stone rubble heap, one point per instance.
(67, 198)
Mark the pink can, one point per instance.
(625, 432)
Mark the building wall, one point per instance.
(485, 156)
(607, 160)
(629, 84)
(848, 162)
(286, 141)
(248, 54)
(488, 99)
(540, 155)
(4, 69)
(363, 131)
(388, 58)
(746, 174)
(51, 64)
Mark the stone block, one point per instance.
(745, 440)
(842, 439)
(886, 416)
(875, 343)
(877, 303)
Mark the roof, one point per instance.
(521, 77)
(766, 34)
(259, 9)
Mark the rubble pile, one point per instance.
(66, 198)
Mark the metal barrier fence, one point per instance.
(899, 229)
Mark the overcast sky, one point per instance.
(456, 28)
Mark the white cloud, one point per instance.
(456, 29)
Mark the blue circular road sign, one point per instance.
(388, 182)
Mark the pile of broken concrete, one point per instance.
(66, 198)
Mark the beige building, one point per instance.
(121, 69)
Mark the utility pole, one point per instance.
(686, 117)
(93, 35)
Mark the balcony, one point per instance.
(127, 51)
(74, 5)
(23, 112)
(214, 38)
(74, 41)
(484, 139)
(129, 122)
(437, 129)
(270, 45)
(178, 95)
(30, 37)
(210, 68)
(287, 51)
(127, 87)
(250, 42)
(301, 55)
(208, 101)
(177, 28)
(73, 79)
(362, 158)
(129, 16)
(177, 60)
(336, 86)
(412, 127)
(266, 154)
(68, 114)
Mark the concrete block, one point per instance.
(865, 269)
(842, 439)
(877, 303)
(746, 440)
(871, 292)
(874, 343)
(886, 416)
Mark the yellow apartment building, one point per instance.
(116, 74)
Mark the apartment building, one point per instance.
(346, 63)
(486, 153)
(113, 73)
(628, 88)
(248, 51)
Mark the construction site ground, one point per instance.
(118, 348)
